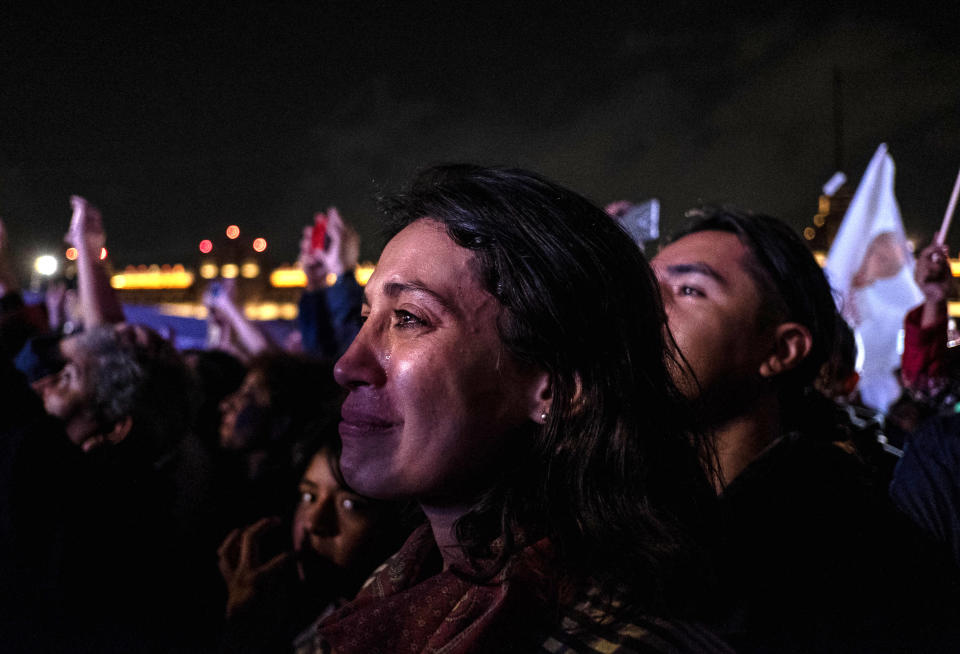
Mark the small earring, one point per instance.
(543, 416)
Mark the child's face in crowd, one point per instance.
(331, 521)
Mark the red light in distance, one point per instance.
(103, 253)
(259, 244)
(72, 254)
(233, 231)
(206, 246)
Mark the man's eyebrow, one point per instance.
(696, 268)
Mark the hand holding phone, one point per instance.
(318, 240)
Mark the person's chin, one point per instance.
(318, 571)
(367, 447)
(363, 473)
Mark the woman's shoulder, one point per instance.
(596, 624)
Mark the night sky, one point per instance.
(178, 122)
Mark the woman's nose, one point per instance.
(360, 365)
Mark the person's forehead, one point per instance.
(320, 472)
(718, 249)
(423, 256)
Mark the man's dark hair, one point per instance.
(614, 476)
(135, 373)
(793, 287)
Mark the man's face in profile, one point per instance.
(713, 305)
(67, 394)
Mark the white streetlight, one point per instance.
(46, 265)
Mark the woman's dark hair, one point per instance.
(304, 398)
(792, 284)
(613, 477)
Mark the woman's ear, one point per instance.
(541, 398)
(791, 345)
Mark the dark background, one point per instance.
(179, 120)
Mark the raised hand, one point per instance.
(86, 227)
(220, 295)
(618, 208)
(932, 273)
(340, 255)
(251, 581)
(314, 266)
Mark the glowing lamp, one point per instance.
(229, 270)
(103, 253)
(46, 265)
(72, 254)
(259, 244)
(233, 231)
(206, 246)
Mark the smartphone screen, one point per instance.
(319, 239)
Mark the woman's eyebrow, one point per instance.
(393, 289)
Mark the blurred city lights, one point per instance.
(103, 253)
(229, 270)
(71, 254)
(233, 231)
(46, 265)
(259, 244)
(206, 245)
(288, 277)
(154, 279)
(209, 270)
(363, 273)
(249, 270)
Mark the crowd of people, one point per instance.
(520, 436)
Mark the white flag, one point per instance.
(871, 271)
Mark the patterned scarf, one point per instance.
(409, 605)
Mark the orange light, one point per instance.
(103, 253)
(206, 245)
(72, 254)
(259, 244)
(233, 231)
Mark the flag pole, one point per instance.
(948, 216)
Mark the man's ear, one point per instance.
(541, 398)
(121, 429)
(791, 345)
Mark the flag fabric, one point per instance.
(871, 271)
